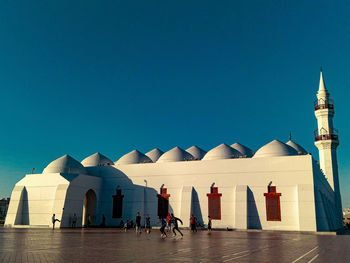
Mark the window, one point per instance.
(273, 209)
(117, 204)
(163, 203)
(214, 205)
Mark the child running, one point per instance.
(175, 225)
(163, 224)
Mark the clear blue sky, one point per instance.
(112, 76)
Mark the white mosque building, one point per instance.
(279, 187)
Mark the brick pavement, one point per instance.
(113, 245)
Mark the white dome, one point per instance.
(134, 157)
(196, 152)
(275, 148)
(97, 159)
(245, 151)
(175, 155)
(154, 154)
(297, 147)
(65, 164)
(223, 151)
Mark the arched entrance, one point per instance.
(89, 208)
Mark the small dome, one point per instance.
(65, 164)
(97, 159)
(196, 152)
(297, 147)
(275, 148)
(175, 155)
(223, 151)
(134, 157)
(244, 150)
(154, 154)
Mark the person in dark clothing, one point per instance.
(103, 224)
(163, 224)
(138, 223)
(209, 223)
(193, 223)
(148, 224)
(74, 221)
(175, 225)
(54, 220)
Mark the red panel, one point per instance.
(214, 190)
(214, 203)
(163, 203)
(214, 207)
(164, 191)
(273, 208)
(272, 189)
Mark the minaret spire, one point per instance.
(326, 140)
(322, 91)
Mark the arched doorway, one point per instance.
(89, 208)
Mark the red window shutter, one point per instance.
(214, 203)
(163, 203)
(273, 209)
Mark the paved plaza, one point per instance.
(113, 245)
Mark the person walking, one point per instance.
(121, 224)
(148, 224)
(193, 223)
(163, 224)
(126, 225)
(175, 225)
(74, 221)
(209, 224)
(138, 223)
(54, 220)
(103, 224)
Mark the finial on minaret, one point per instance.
(321, 69)
(322, 86)
(290, 135)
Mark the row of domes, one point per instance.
(67, 164)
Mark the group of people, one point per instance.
(194, 223)
(74, 220)
(170, 222)
(137, 225)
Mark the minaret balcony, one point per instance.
(323, 104)
(332, 135)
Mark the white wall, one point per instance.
(242, 183)
(292, 175)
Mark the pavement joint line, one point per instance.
(237, 257)
(305, 254)
(313, 258)
(247, 254)
(234, 254)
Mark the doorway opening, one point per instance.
(89, 208)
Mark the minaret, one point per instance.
(326, 139)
